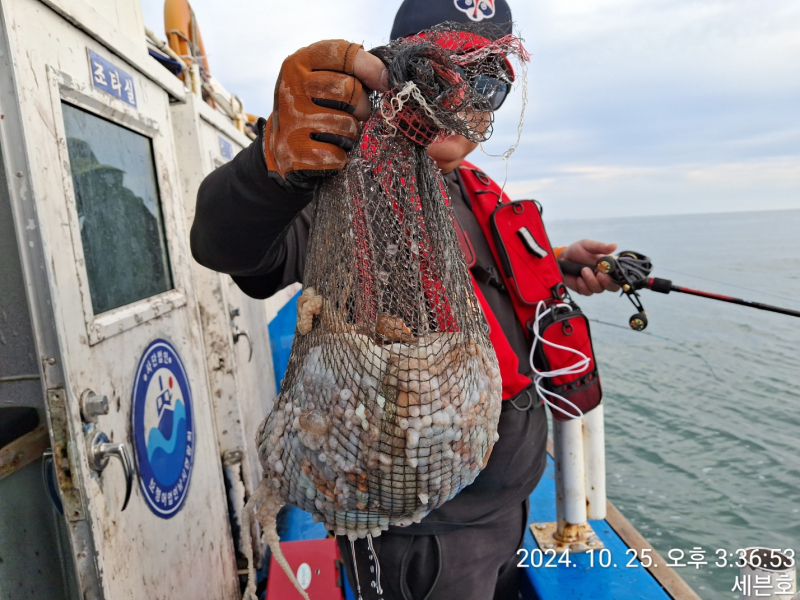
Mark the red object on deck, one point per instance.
(313, 561)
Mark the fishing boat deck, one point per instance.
(623, 579)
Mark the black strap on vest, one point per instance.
(489, 276)
(485, 274)
(526, 400)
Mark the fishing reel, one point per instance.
(627, 269)
(631, 271)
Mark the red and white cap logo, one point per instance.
(476, 10)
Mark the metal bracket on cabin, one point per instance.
(232, 457)
(238, 332)
(64, 455)
(581, 538)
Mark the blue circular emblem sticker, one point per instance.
(163, 428)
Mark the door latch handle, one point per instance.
(237, 333)
(100, 450)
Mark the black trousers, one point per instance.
(470, 563)
(466, 549)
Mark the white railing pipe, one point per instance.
(594, 450)
(570, 477)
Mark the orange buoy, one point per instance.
(183, 35)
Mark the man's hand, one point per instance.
(319, 98)
(588, 252)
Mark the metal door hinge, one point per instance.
(64, 455)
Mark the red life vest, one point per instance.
(517, 238)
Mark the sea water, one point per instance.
(703, 416)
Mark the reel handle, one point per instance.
(606, 264)
(569, 267)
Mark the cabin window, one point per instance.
(119, 211)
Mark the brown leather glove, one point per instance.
(312, 127)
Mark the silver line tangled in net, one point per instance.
(391, 399)
(437, 78)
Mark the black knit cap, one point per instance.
(414, 16)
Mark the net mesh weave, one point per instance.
(392, 395)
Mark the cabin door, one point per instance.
(97, 199)
(235, 326)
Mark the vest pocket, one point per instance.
(562, 345)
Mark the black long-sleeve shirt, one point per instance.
(248, 225)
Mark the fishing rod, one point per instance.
(631, 271)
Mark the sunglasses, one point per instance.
(494, 90)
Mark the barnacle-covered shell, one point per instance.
(309, 304)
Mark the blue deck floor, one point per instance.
(579, 581)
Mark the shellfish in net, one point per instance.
(392, 395)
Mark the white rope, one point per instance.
(410, 90)
(355, 568)
(580, 366)
(378, 587)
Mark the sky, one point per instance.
(634, 108)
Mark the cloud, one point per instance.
(656, 106)
(587, 191)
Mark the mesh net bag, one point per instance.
(392, 395)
